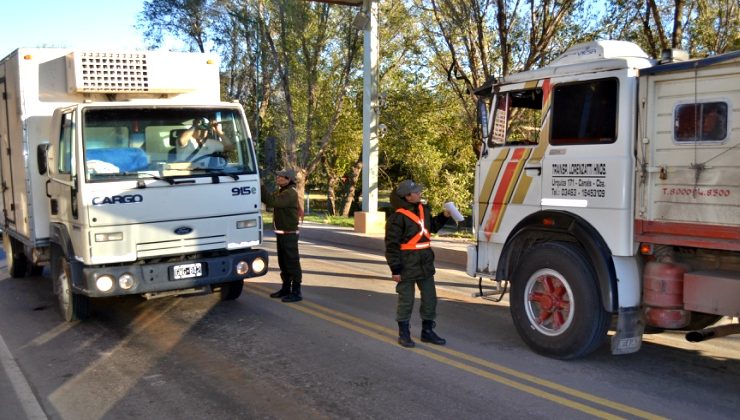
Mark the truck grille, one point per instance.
(180, 246)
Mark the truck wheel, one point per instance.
(35, 270)
(232, 290)
(16, 259)
(72, 306)
(555, 302)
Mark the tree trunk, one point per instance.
(331, 196)
(270, 154)
(349, 196)
(677, 25)
(655, 13)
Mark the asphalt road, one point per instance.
(334, 355)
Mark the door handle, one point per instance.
(48, 181)
(533, 171)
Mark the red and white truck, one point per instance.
(93, 184)
(609, 186)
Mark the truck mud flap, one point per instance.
(630, 326)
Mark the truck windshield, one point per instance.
(140, 142)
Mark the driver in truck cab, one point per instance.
(203, 138)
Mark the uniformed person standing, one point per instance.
(411, 259)
(286, 213)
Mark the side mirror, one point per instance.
(42, 153)
(483, 119)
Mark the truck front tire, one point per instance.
(555, 302)
(231, 290)
(72, 306)
(14, 256)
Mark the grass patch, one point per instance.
(330, 220)
(315, 218)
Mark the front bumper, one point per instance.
(159, 277)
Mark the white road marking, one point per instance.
(22, 389)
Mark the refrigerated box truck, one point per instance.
(105, 180)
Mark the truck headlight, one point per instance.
(244, 224)
(242, 268)
(104, 283)
(126, 281)
(258, 265)
(110, 236)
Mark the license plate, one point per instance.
(187, 271)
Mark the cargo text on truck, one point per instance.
(92, 183)
(608, 187)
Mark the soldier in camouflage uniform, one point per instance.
(411, 259)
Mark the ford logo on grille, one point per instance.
(183, 230)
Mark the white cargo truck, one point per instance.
(609, 187)
(126, 174)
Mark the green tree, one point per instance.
(247, 66)
(427, 141)
(715, 28)
(472, 40)
(314, 49)
(703, 27)
(184, 19)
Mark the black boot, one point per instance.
(428, 335)
(284, 291)
(295, 294)
(404, 335)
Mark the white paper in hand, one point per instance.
(450, 207)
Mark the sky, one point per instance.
(71, 24)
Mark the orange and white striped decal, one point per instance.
(512, 171)
(486, 190)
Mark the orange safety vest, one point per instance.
(414, 244)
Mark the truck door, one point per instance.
(7, 184)
(62, 184)
(508, 173)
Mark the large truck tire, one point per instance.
(555, 303)
(72, 306)
(231, 290)
(18, 264)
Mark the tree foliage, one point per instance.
(703, 27)
(183, 19)
(296, 67)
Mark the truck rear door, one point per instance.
(7, 109)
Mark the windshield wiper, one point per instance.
(221, 172)
(137, 175)
(140, 182)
